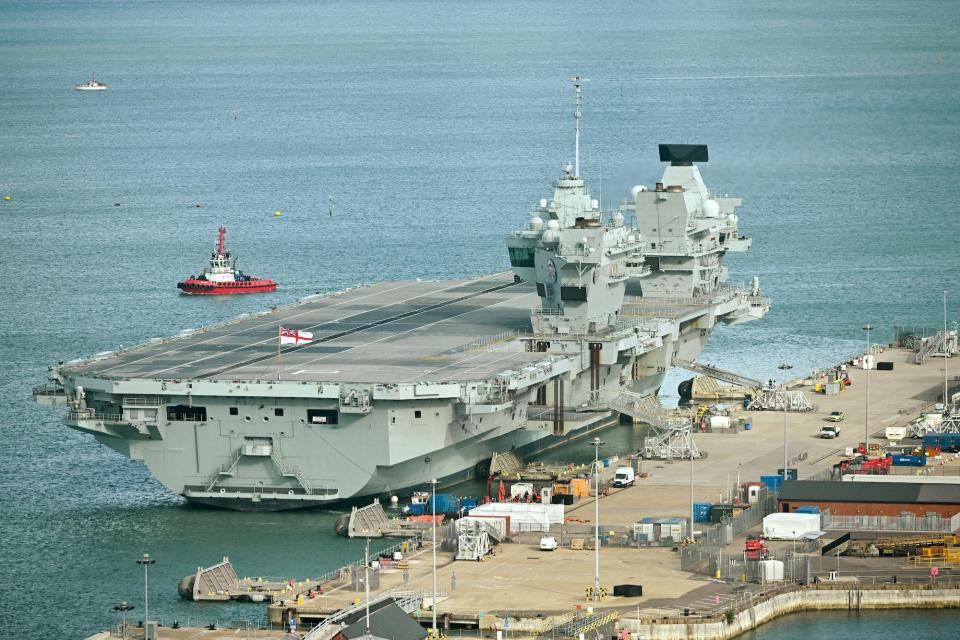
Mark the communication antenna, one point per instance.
(330, 204)
(577, 84)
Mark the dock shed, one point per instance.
(870, 498)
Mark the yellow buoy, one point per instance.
(7, 198)
(276, 214)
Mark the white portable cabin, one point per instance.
(790, 526)
(523, 516)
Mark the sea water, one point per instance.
(404, 139)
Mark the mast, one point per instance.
(577, 84)
(223, 234)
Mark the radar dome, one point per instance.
(536, 222)
(637, 189)
(711, 208)
(550, 236)
(732, 219)
(553, 225)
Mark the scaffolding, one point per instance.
(473, 540)
(776, 399)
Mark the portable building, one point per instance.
(790, 526)
(523, 516)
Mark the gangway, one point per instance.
(718, 374)
(671, 434)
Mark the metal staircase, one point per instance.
(290, 471)
(225, 469)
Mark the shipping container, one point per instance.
(701, 511)
(900, 460)
(949, 442)
(467, 503)
(772, 482)
(807, 509)
(720, 511)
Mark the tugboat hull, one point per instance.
(206, 288)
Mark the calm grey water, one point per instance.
(432, 127)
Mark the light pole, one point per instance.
(945, 354)
(123, 607)
(866, 409)
(146, 561)
(433, 512)
(596, 519)
(366, 582)
(785, 367)
(693, 515)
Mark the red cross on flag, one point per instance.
(292, 336)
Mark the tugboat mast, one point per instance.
(223, 234)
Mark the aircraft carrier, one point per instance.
(404, 382)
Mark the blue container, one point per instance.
(747, 426)
(418, 508)
(606, 462)
(949, 442)
(907, 461)
(445, 503)
(807, 509)
(467, 503)
(746, 402)
(772, 482)
(701, 511)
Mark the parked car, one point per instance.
(548, 543)
(829, 431)
(835, 416)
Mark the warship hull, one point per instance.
(406, 381)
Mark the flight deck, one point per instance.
(389, 333)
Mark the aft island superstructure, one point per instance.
(403, 382)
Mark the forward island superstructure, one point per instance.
(407, 381)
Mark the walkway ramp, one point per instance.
(718, 374)
(216, 582)
(506, 464)
(368, 522)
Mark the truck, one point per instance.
(623, 477)
(829, 431)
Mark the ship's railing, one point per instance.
(81, 415)
(577, 252)
(142, 402)
(48, 389)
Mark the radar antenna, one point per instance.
(577, 84)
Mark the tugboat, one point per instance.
(93, 85)
(222, 276)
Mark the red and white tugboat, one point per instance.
(222, 276)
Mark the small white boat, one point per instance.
(93, 85)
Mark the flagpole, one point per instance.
(279, 352)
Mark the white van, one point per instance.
(623, 477)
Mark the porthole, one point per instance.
(246, 418)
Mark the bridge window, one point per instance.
(417, 413)
(234, 411)
(183, 413)
(521, 256)
(323, 416)
(278, 412)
